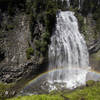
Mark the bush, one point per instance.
(29, 52)
(3, 89)
(45, 36)
(10, 27)
(90, 83)
(80, 19)
(41, 44)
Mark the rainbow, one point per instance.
(53, 70)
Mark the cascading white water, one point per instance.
(67, 50)
(80, 3)
(68, 3)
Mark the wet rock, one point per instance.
(94, 47)
(6, 93)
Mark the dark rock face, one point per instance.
(94, 47)
(16, 73)
(92, 35)
(95, 61)
(2, 54)
(14, 39)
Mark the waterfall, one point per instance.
(67, 50)
(79, 4)
(68, 3)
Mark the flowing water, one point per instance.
(67, 50)
(80, 3)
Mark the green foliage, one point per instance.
(39, 97)
(90, 83)
(11, 5)
(89, 6)
(3, 89)
(38, 44)
(80, 19)
(11, 9)
(91, 92)
(42, 44)
(83, 26)
(98, 24)
(81, 23)
(45, 12)
(87, 93)
(28, 7)
(10, 27)
(96, 56)
(29, 52)
(96, 16)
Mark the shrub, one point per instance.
(41, 44)
(29, 52)
(80, 19)
(3, 89)
(45, 36)
(90, 83)
(10, 27)
(37, 44)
